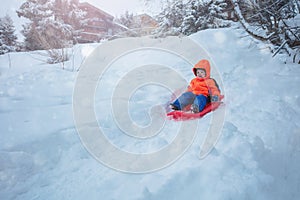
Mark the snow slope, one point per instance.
(256, 157)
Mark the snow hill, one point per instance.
(256, 157)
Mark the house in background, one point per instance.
(146, 24)
(140, 25)
(99, 25)
(145, 21)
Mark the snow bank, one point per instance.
(257, 156)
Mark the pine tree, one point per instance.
(8, 39)
(171, 18)
(36, 11)
(189, 16)
(53, 23)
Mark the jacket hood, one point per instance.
(202, 64)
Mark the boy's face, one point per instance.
(201, 73)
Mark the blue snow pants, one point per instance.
(188, 98)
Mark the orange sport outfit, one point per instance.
(201, 89)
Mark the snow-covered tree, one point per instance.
(203, 15)
(127, 19)
(53, 23)
(270, 21)
(171, 18)
(69, 13)
(53, 26)
(8, 39)
(37, 12)
(276, 22)
(189, 16)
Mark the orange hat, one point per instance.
(202, 64)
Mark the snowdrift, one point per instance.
(256, 157)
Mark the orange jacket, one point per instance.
(205, 86)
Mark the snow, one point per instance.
(256, 157)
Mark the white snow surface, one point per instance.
(257, 156)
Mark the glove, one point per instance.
(214, 98)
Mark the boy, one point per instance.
(201, 90)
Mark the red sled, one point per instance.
(182, 115)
